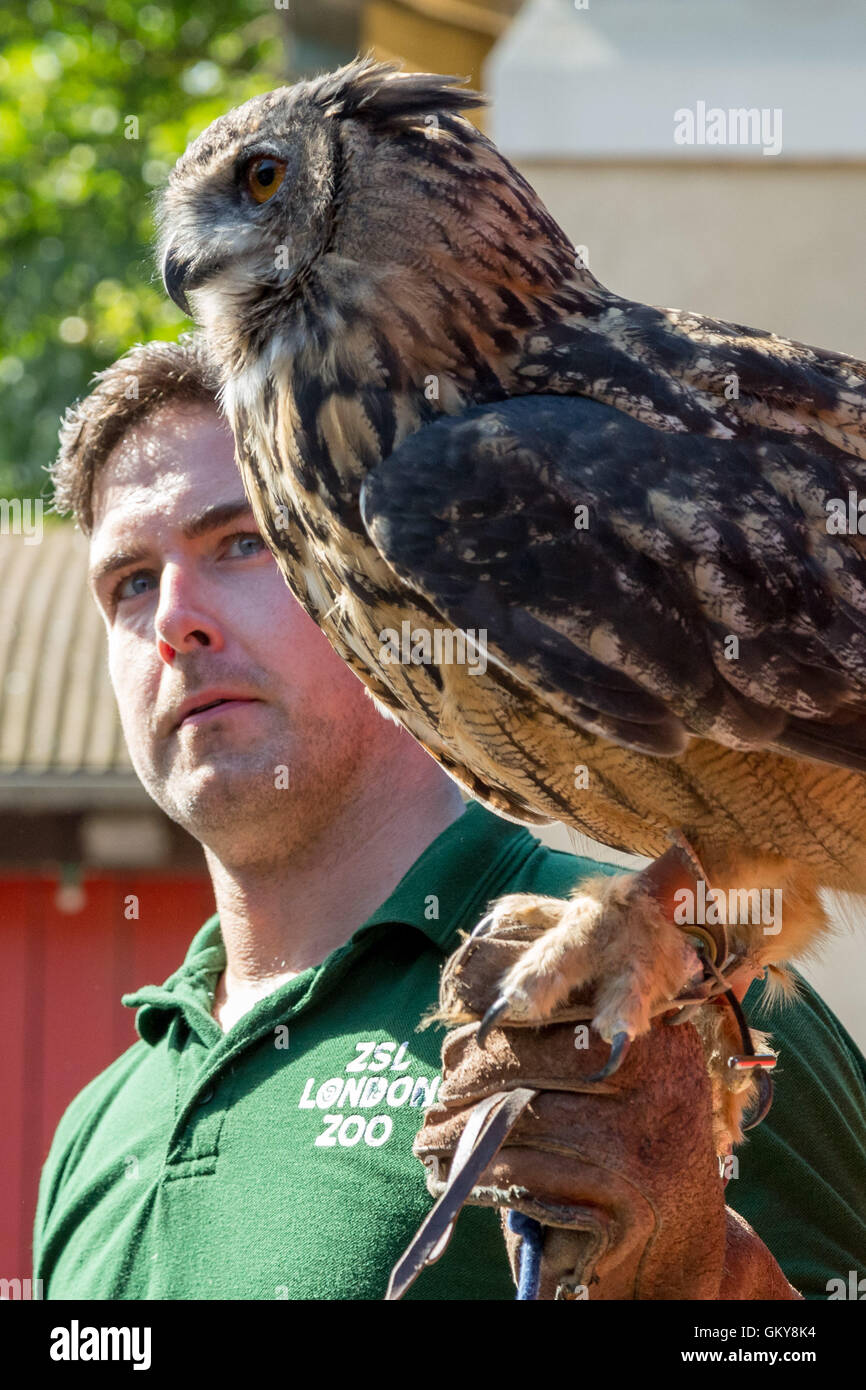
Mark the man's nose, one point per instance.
(185, 620)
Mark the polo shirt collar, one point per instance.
(446, 891)
(460, 871)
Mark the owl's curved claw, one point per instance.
(494, 1013)
(683, 1015)
(765, 1100)
(618, 1050)
(484, 926)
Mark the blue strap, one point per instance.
(532, 1234)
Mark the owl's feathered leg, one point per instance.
(612, 934)
(622, 947)
(582, 942)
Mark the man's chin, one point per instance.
(223, 789)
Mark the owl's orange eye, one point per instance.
(264, 176)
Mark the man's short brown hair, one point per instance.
(147, 377)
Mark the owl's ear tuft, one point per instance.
(382, 94)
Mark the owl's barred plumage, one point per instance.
(426, 385)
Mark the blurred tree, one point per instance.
(97, 100)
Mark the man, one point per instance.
(256, 1143)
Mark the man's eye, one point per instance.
(126, 588)
(249, 541)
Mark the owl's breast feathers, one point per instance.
(668, 621)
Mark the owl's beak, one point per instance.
(175, 273)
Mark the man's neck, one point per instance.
(281, 915)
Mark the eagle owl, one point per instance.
(639, 517)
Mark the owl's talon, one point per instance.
(484, 926)
(492, 1016)
(683, 1015)
(619, 1047)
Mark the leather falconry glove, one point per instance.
(608, 1188)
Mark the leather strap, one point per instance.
(486, 1131)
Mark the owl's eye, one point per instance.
(264, 176)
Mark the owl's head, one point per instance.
(304, 205)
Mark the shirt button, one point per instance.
(206, 1096)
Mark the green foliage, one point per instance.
(97, 100)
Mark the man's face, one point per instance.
(197, 611)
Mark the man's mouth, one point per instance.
(199, 714)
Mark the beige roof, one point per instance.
(60, 737)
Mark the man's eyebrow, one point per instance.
(212, 518)
(116, 560)
(199, 524)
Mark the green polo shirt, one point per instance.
(274, 1161)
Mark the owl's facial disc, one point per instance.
(238, 213)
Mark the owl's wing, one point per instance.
(647, 585)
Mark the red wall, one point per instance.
(61, 978)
